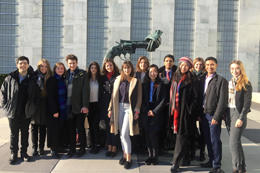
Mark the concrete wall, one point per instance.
(249, 39)
(75, 29)
(206, 28)
(163, 19)
(30, 30)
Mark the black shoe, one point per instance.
(216, 170)
(127, 164)
(154, 161)
(174, 168)
(81, 152)
(94, 150)
(148, 161)
(35, 153)
(206, 165)
(54, 154)
(71, 153)
(42, 152)
(113, 154)
(185, 163)
(13, 159)
(122, 161)
(25, 157)
(108, 153)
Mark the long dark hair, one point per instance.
(104, 71)
(178, 75)
(98, 70)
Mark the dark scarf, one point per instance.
(174, 102)
(62, 95)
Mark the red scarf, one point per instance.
(174, 101)
(109, 75)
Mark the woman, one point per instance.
(153, 103)
(39, 118)
(183, 98)
(124, 109)
(109, 74)
(141, 67)
(93, 115)
(199, 72)
(57, 112)
(240, 95)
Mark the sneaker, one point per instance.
(122, 161)
(127, 164)
(25, 157)
(148, 161)
(13, 159)
(206, 165)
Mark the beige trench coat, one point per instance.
(135, 86)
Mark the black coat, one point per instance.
(106, 89)
(53, 98)
(157, 105)
(243, 101)
(216, 98)
(188, 96)
(14, 95)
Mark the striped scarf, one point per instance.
(174, 102)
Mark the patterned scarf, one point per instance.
(62, 95)
(174, 102)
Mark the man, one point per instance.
(166, 73)
(13, 98)
(215, 103)
(77, 104)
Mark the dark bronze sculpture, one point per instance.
(150, 43)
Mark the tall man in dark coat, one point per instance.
(13, 98)
(166, 73)
(215, 104)
(77, 104)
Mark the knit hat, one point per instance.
(187, 60)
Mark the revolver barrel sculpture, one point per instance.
(150, 43)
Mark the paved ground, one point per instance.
(100, 164)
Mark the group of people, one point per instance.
(139, 106)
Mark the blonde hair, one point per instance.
(242, 80)
(48, 73)
(139, 61)
(199, 59)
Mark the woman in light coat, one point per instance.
(124, 109)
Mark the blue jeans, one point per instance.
(212, 139)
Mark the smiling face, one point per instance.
(235, 70)
(127, 70)
(22, 66)
(43, 68)
(109, 67)
(184, 67)
(211, 67)
(198, 66)
(143, 65)
(153, 73)
(72, 64)
(60, 70)
(93, 69)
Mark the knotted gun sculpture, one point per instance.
(150, 43)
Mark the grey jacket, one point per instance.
(216, 97)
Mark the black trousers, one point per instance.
(181, 148)
(17, 125)
(76, 123)
(111, 139)
(55, 133)
(152, 142)
(38, 132)
(93, 118)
